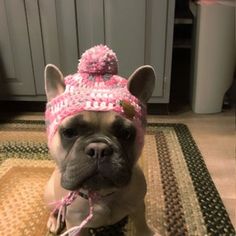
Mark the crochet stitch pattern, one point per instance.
(95, 87)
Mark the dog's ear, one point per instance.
(141, 83)
(54, 81)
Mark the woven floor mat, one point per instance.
(181, 200)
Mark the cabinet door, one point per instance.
(36, 43)
(90, 16)
(58, 22)
(125, 29)
(16, 73)
(156, 43)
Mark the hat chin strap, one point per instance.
(100, 194)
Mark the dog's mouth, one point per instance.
(96, 180)
(101, 194)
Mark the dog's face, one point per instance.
(97, 150)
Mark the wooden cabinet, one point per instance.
(34, 33)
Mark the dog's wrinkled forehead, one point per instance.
(95, 121)
(89, 123)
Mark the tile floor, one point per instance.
(215, 136)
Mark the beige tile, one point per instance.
(230, 204)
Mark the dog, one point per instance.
(95, 125)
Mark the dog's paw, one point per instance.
(54, 224)
(153, 232)
(156, 234)
(147, 232)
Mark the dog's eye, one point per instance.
(126, 133)
(123, 130)
(69, 132)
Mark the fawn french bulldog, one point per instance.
(95, 125)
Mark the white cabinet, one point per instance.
(16, 71)
(34, 33)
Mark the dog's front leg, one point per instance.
(74, 218)
(139, 220)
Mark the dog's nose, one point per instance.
(98, 150)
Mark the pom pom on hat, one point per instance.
(99, 60)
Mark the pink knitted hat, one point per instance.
(95, 87)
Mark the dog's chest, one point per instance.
(106, 212)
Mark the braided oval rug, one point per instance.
(181, 200)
